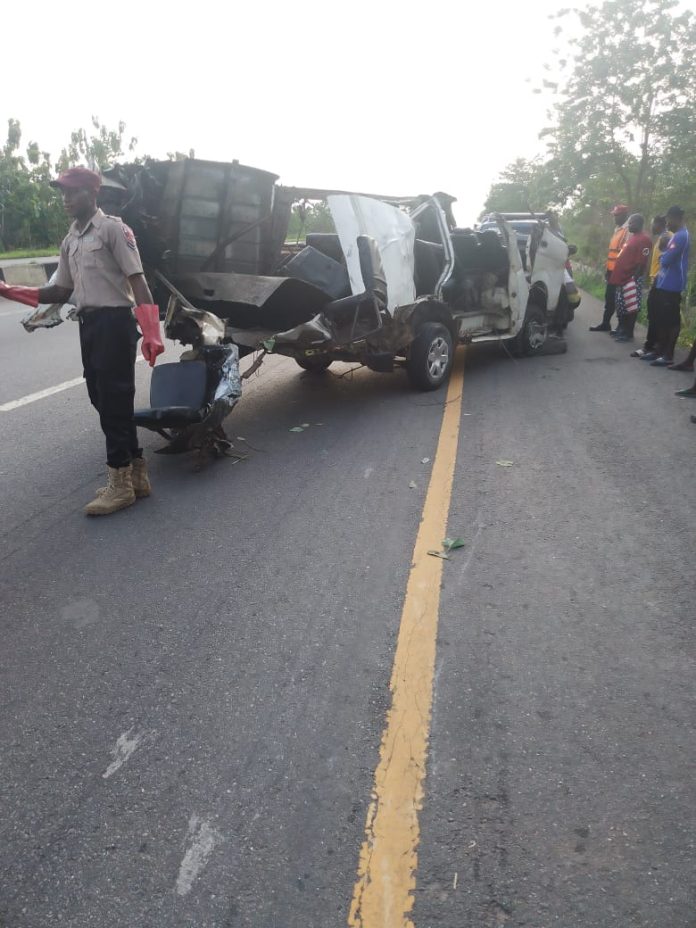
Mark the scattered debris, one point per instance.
(504, 463)
(425, 461)
(297, 428)
(412, 485)
(448, 544)
(256, 365)
(305, 425)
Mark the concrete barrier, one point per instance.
(28, 272)
(25, 275)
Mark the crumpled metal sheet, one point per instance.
(313, 334)
(43, 317)
(47, 316)
(251, 301)
(394, 233)
(192, 326)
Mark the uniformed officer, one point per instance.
(100, 265)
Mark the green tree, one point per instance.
(309, 216)
(29, 210)
(626, 94)
(31, 213)
(97, 148)
(523, 186)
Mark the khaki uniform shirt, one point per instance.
(96, 262)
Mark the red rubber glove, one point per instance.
(147, 315)
(27, 295)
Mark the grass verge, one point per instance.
(29, 253)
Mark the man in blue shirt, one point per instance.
(670, 283)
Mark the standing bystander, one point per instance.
(670, 283)
(627, 277)
(661, 237)
(100, 265)
(618, 240)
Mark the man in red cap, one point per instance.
(618, 240)
(99, 264)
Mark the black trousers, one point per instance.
(609, 303)
(108, 341)
(667, 311)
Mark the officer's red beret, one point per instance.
(78, 179)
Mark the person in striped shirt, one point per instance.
(627, 277)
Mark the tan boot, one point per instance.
(117, 494)
(141, 480)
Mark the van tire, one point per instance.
(314, 364)
(430, 357)
(532, 336)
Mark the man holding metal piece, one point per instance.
(100, 265)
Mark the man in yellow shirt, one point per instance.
(661, 236)
(618, 240)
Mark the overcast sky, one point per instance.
(386, 97)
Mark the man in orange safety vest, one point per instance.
(618, 240)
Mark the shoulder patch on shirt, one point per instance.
(129, 237)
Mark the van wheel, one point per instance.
(430, 357)
(315, 364)
(532, 336)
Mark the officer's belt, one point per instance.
(90, 310)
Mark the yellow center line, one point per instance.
(383, 893)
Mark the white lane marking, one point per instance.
(368, 472)
(125, 746)
(40, 394)
(202, 838)
(49, 391)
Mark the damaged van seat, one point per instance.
(318, 269)
(328, 243)
(492, 253)
(177, 396)
(429, 260)
(358, 316)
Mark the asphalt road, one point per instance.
(194, 690)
